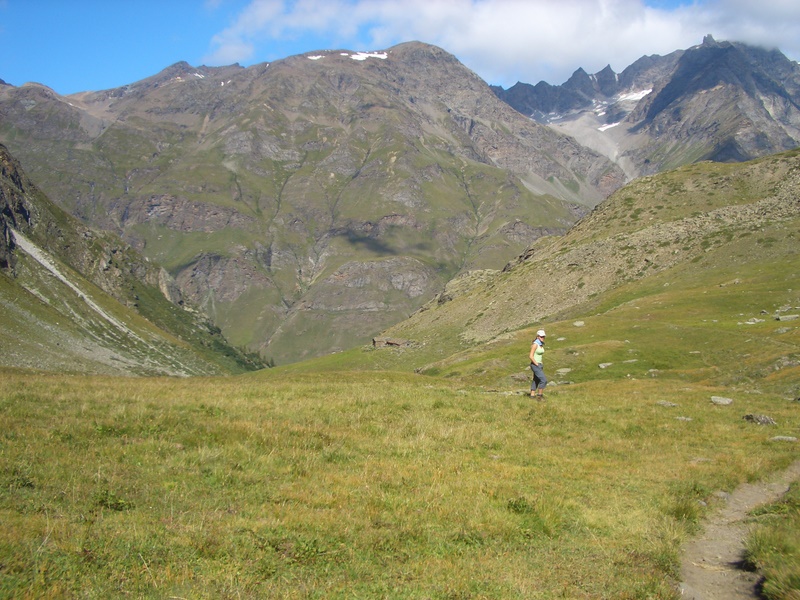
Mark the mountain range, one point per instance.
(306, 205)
(720, 101)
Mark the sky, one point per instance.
(80, 45)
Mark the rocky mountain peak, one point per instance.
(607, 81)
(707, 82)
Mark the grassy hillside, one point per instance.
(714, 327)
(696, 224)
(71, 325)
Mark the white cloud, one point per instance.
(237, 43)
(229, 51)
(770, 23)
(509, 40)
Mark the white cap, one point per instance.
(540, 333)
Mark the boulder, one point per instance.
(760, 419)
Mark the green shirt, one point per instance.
(538, 354)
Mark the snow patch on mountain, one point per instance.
(633, 96)
(366, 55)
(355, 56)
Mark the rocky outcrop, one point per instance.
(13, 211)
(213, 278)
(177, 213)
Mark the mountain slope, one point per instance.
(307, 204)
(702, 228)
(78, 300)
(721, 101)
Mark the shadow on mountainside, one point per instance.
(711, 563)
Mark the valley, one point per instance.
(179, 236)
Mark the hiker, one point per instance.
(539, 380)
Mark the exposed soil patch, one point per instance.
(711, 564)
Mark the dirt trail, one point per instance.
(710, 564)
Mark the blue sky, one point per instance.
(78, 45)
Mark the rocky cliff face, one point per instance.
(718, 101)
(13, 212)
(293, 199)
